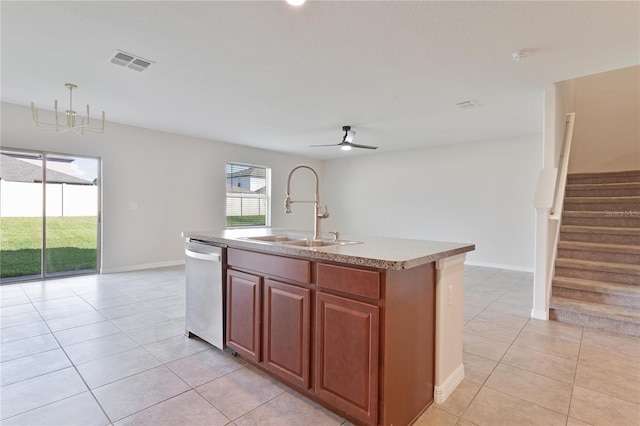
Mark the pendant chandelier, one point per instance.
(70, 121)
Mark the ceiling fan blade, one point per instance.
(316, 146)
(347, 140)
(355, 145)
(348, 136)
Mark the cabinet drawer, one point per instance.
(285, 267)
(349, 280)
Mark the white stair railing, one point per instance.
(563, 163)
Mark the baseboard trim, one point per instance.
(541, 315)
(130, 268)
(441, 393)
(499, 266)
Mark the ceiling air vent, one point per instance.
(466, 105)
(130, 61)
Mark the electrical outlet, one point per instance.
(450, 294)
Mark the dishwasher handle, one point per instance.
(202, 256)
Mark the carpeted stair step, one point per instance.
(624, 295)
(605, 317)
(597, 270)
(600, 234)
(615, 253)
(613, 205)
(622, 273)
(625, 189)
(626, 219)
(612, 177)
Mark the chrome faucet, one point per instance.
(318, 213)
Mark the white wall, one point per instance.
(558, 102)
(607, 127)
(477, 192)
(178, 183)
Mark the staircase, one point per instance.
(597, 274)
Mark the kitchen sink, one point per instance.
(298, 241)
(319, 243)
(274, 238)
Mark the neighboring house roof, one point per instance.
(12, 169)
(238, 189)
(248, 172)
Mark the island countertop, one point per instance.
(375, 252)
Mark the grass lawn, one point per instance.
(255, 220)
(71, 244)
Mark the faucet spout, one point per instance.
(318, 214)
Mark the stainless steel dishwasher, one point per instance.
(205, 266)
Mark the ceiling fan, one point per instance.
(347, 141)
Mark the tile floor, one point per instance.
(110, 349)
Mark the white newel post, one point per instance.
(449, 322)
(542, 202)
(540, 309)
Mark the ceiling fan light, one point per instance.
(295, 2)
(346, 147)
(348, 137)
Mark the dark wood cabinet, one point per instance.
(269, 321)
(346, 362)
(243, 314)
(358, 340)
(286, 331)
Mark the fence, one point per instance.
(244, 206)
(24, 199)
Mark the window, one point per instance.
(248, 195)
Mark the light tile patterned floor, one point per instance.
(110, 349)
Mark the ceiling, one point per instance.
(269, 75)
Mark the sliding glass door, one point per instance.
(49, 215)
(21, 225)
(71, 209)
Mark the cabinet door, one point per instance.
(346, 361)
(286, 331)
(243, 314)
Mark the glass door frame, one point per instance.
(43, 253)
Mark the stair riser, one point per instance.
(619, 185)
(615, 221)
(615, 208)
(603, 298)
(572, 180)
(612, 277)
(628, 328)
(599, 256)
(604, 192)
(600, 238)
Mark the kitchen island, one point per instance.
(369, 327)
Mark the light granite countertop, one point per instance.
(375, 252)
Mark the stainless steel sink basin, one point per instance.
(273, 238)
(319, 243)
(298, 241)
